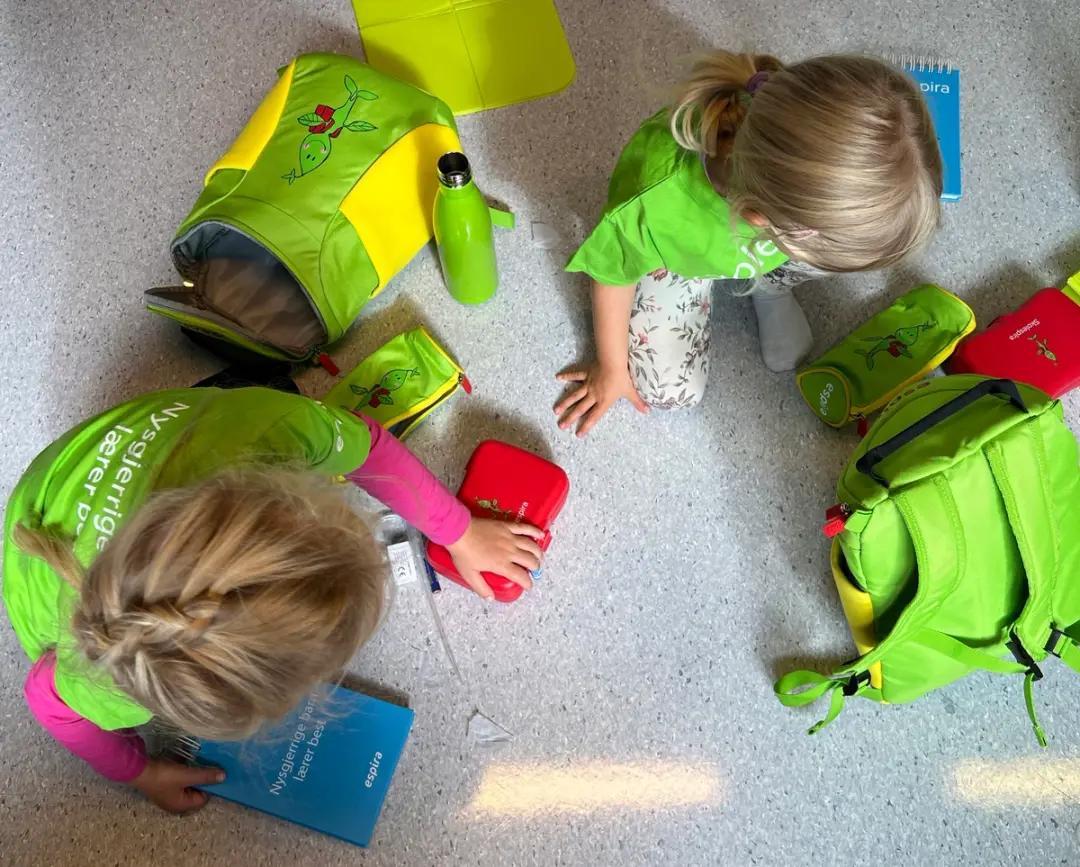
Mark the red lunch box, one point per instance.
(1039, 344)
(508, 484)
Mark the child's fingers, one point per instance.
(519, 576)
(526, 530)
(476, 581)
(570, 399)
(572, 376)
(527, 559)
(193, 800)
(203, 776)
(590, 420)
(579, 409)
(637, 401)
(525, 544)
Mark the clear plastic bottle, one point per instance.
(464, 233)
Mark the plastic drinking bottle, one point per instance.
(463, 233)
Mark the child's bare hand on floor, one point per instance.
(599, 389)
(507, 549)
(170, 785)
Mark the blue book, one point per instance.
(940, 86)
(327, 766)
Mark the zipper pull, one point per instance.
(836, 519)
(463, 380)
(862, 425)
(327, 363)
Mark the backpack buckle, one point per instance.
(1021, 655)
(1054, 641)
(855, 683)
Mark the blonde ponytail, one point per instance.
(218, 606)
(56, 553)
(836, 155)
(713, 102)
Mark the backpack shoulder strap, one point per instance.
(1018, 462)
(929, 512)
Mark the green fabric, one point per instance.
(1029, 703)
(802, 688)
(1072, 287)
(663, 213)
(86, 484)
(1068, 652)
(400, 383)
(971, 544)
(895, 348)
(288, 201)
(502, 218)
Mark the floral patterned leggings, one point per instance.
(670, 334)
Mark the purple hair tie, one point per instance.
(753, 84)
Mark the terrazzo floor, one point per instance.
(687, 570)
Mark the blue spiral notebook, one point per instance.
(327, 766)
(940, 86)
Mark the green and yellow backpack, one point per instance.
(957, 545)
(322, 198)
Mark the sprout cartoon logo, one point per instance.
(325, 124)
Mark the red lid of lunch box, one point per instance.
(509, 484)
(1039, 343)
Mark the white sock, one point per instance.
(786, 339)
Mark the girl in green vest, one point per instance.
(184, 555)
(762, 173)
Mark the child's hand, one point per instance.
(500, 547)
(168, 784)
(601, 387)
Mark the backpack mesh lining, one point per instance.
(242, 281)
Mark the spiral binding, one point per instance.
(185, 747)
(920, 62)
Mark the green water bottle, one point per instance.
(464, 233)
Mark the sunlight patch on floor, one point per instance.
(1033, 782)
(593, 786)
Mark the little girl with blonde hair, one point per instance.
(761, 173)
(185, 556)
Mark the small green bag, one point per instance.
(401, 382)
(878, 360)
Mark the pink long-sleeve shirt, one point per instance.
(391, 474)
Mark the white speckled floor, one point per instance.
(688, 569)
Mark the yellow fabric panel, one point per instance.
(472, 54)
(243, 152)
(390, 206)
(1072, 288)
(859, 611)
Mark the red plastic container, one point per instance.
(508, 484)
(1039, 344)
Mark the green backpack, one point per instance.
(324, 196)
(957, 545)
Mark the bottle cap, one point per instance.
(454, 170)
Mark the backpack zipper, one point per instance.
(401, 427)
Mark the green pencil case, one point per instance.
(899, 346)
(401, 383)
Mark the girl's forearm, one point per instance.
(611, 323)
(396, 477)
